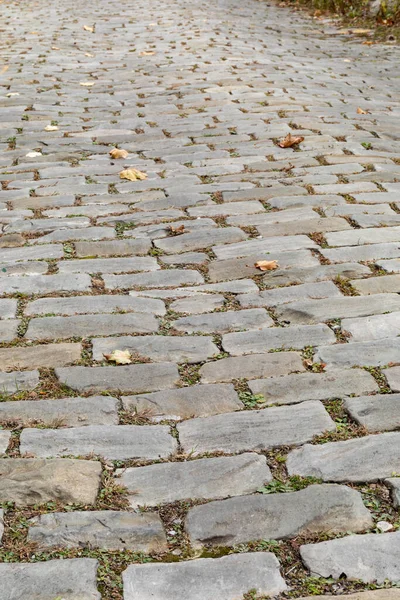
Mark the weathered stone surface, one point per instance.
(222, 322)
(392, 266)
(18, 380)
(43, 328)
(109, 265)
(70, 412)
(376, 413)
(306, 291)
(184, 403)
(393, 378)
(202, 303)
(253, 342)
(315, 311)
(114, 442)
(31, 357)
(362, 459)
(196, 240)
(41, 284)
(394, 484)
(28, 481)
(319, 200)
(377, 285)
(236, 286)
(186, 258)
(291, 389)
(227, 208)
(70, 579)
(251, 367)
(376, 327)
(321, 225)
(1, 524)
(316, 509)
(386, 594)
(364, 236)
(208, 478)
(168, 278)
(374, 353)
(8, 308)
(94, 304)
(315, 273)
(112, 248)
(370, 557)
(255, 430)
(262, 247)
(5, 437)
(367, 252)
(108, 529)
(159, 348)
(138, 378)
(203, 579)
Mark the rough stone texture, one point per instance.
(205, 579)
(374, 353)
(208, 478)
(28, 481)
(156, 279)
(255, 430)
(64, 412)
(184, 403)
(18, 380)
(94, 304)
(376, 413)
(316, 509)
(394, 484)
(128, 378)
(1, 524)
(8, 309)
(69, 579)
(367, 557)
(377, 285)
(361, 459)
(323, 289)
(48, 355)
(111, 530)
(42, 284)
(5, 437)
(393, 378)
(314, 386)
(202, 303)
(376, 327)
(386, 594)
(112, 248)
(222, 322)
(114, 442)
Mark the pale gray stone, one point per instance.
(63, 412)
(202, 303)
(367, 252)
(291, 389)
(196, 240)
(306, 291)
(376, 327)
(369, 558)
(18, 381)
(109, 265)
(186, 258)
(5, 437)
(23, 268)
(1, 524)
(321, 225)
(237, 286)
(297, 337)
(346, 210)
(28, 481)
(208, 478)
(166, 278)
(316, 509)
(262, 247)
(69, 235)
(27, 253)
(47, 355)
(361, 459)
(317, 273)
(107, 529)
(43, 284)
(384, 594)
(112, 248)
(255, 430)
(159, 348)
(137, 378)
(203, 579)
(319, 200)
(9, 329)
(251, 367)
(373, 354)
(184, 403)
(273, 218)
(8, 308)
(113, 442)
(394, 484)
(227, 208)
(67, 579)
(391, 266)
(94, 304)
(377, 285)
(222, 322)
(356, 237)
(376, 413)
(393, 378)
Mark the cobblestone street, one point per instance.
(199, 332)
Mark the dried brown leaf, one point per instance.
(118, 153)
(132, 174)
(87, 83)
(266, 265)
(87, 28)
(291, 140)
(146, 53)
(361, 111)
(120, 357)
(176, 230)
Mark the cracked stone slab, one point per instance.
(114, 442)
(255, 430)
(290, 389)
(208, 478)
(137, 378)
(184, 403)
(316, 509)
(376, 353)
(28, 481)
(203, 579)
(376, 413)
(362, 459)
(47, 355)
(296, 337)
(110, 265)
(69, 579)
(222, 322)
(369, 558)
(94, 304)
(108, 529)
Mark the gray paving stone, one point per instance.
(186, 258)
(202, 303)
(305, 291)
(184, 403)
(109, 265)
(376, 327)
(28, 481)
(391, 266)
(318, 200)
(196, 240)
(51, 251)
(180, 349)
(261, 193)
(167, 278)
(74, 578)
(18, 381)
(367, 252)
(255, 430)
(48, 355)
(236, 286)
(1, 524)
(66, 235)
(208, 478)
(300, 275)
(393, 378)
(112, 248)
(363, 236)
(291, 389)
(8, 309)
(376, 353)
(106, 529)
(377, 285)
(321, 225)
(94, 304)
(9, 329)
(202, 579)
(33, 267)
(346, 210)
(375, 413)
(362, 459)
(5, 437)
(43, 328)
(70, 412)
(394, 485)
(369, 558)
(251, 367)
(222, 322)
(43, 284)
(113, 442)
(384, 594)
(316, 509)
(227, 208)
(127, 378)
(262, 247)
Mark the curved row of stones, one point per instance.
(243, 384)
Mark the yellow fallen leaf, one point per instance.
(266, 265)
(55, 48)
(132, 174)
(87, 83)
(118, 153)
(51, 128)
(4, 69)
(360, 111)
(120, 357)
(291, 140)
(176, 230)
(87, 28)
(146, 53)
(88, 54)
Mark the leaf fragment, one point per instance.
(55, 48)
(291, 140)
(132, 174)
(120, 357)
(266, 265)
(118, 153)
(146, 53)
(176, 230)
(88, 28)
(87, 83)
(51, 128)
(361, 111)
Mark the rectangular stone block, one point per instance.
(305, 291)
(376, 413)
(223, 322)
(377, 285)
(44, 284)
(261, 248)
(112, 248)
(18, 381)
(196, 240)
(294, 276)
(109, 265)
(166, 278)
(5, 437)
(94, 304)
(32, 357)
(376, 327)
(360, 354)
(8, 308)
